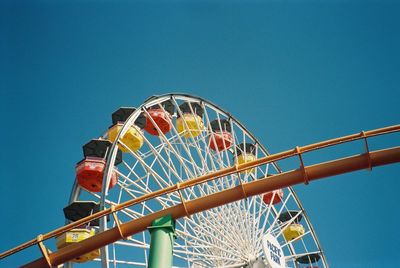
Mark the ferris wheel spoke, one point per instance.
(136, 245)
(200, 231)
(145, 190)
(303, 242)
(182, 164)
(114, 256)
(239, 218)
(161, 200)
(196, 249)
(201, 239)
(238, 209)
(232, 218)
(145, 249)
(200, 262)
(228, 232)
(178, 156)
(186, 244)
(211, 260)
(176, 174)
(274, 215)
(239, 238)
(123, 262)
(136, 241)
(162, 162)
(127, 186)
(254, 205)
(137, 177)
(211, 257)
(294, 257)
(147, 169)
(228, 216)
(157, 160)
(128, 212)
(264, 213)
(261, 230)
(131, 169)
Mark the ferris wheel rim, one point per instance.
(157, 99)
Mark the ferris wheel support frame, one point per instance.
(162, 231)
(304, 174)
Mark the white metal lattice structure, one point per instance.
(226, 236)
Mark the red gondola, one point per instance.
(221, 138)
(90, 172)
(277, 198)
(162, 116)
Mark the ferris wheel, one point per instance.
(170, 139)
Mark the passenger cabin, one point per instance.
(310, 259)
(100, 148)
(74, 236)
(246, 152)
(133, 138)
(159, 118)
(81, 209)
(90, 170)
(190, 122)
(273, 197)
(288, 215)
(295, 229)
(221, 135)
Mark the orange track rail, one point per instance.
(186, 208)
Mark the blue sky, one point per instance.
(294, 72)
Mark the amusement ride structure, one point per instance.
(178, 181)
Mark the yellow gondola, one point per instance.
(245, 153)
(190, 123)
(133, 137)
(293, 231)
(75, 236)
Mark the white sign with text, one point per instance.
(273, 252)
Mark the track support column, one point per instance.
(162, 231)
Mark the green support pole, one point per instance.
(162, 232)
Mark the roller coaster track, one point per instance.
(304, 174)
